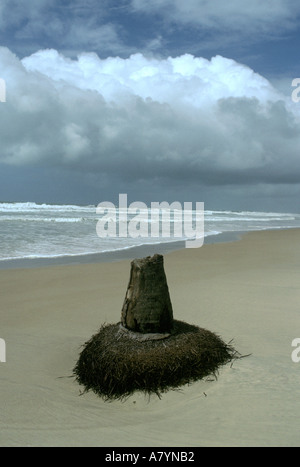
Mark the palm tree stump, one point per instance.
(147, 306)
(148, 350)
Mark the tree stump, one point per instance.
(148, 351)
(147, 306)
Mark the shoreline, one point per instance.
(116, 256)
(246, 290)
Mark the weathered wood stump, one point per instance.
(147, 306)
(148, 351)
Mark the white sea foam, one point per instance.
(40, 219)
(31, 230)
(34, 207)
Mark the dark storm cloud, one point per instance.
(136, 118)
(214, 122)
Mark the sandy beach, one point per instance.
(247, 290)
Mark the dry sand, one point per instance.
(247, 291)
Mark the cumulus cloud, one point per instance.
(212, 122)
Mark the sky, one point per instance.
(167, 100)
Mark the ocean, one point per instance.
(31, 231)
